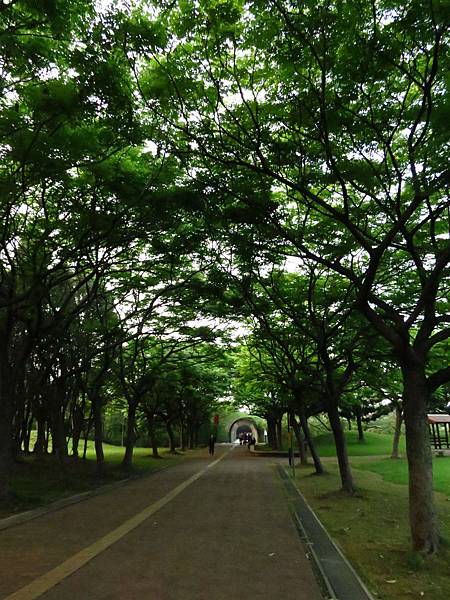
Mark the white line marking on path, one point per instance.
(43, 584)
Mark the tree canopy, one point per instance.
(204, 198)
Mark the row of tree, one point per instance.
(261, 161)
(99, 252)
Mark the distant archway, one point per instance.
(243, 425)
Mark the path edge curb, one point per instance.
(35, 513)
(334, 544)
(317, 564)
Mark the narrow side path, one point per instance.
(228, 533)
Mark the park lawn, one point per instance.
(396, 471)
(40, 481)
(372, 529)
(373, 444)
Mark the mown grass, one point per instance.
(396, 471)
(373, 530)
(37, 481)
(373, 444)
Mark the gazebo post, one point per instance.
(439, 439)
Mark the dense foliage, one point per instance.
(173, 170)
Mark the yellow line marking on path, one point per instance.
(43, 584)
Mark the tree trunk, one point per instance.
(152, 435)
(271, 432)
(98, 431)
(26, 441)
(6, 430)
(20, 417)
(171, 436)
(341, 447)
(191, 437)
(358, 412)
(397, 431)
(183, 441)
(87, 430)
(130, 440)
(298, 435)
(58, 433)
(77, 426)
(422, 512)
(312, 447)
(39, 445)
(47, 437)
(279, 432)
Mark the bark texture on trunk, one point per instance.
(41, 419)
(279, 433)
(309, 440)
(271, 432)
(345, 471)
(58, 428)
(397, 431)
(171, 436)
(183, 441)
(152, 434)
(77, 426)
(6, 423)
(127, 461)
(422, 511)
(98, 431)
(298, 435)
(6, 449)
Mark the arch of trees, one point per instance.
(173, 169)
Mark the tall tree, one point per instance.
(347, 150)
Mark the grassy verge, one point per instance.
(40, 481)
(373, 531)
(373, 444)
(396, 471)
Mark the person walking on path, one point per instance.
(211, 442)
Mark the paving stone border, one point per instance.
(339, 578)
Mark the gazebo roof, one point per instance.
(439, 418)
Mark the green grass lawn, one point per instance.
(374, 443)
(39, 481)
(396, 471)
(372, 528)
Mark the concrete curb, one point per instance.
(338, 575)
(317, 564)
(29, 515)
(273, 453)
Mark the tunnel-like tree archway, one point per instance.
(243, 425)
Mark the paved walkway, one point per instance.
(219, 533)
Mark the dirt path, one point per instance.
(226, 534)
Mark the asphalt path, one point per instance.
(205, 529)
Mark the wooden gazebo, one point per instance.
(439, 427)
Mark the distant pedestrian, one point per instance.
(211, 442)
